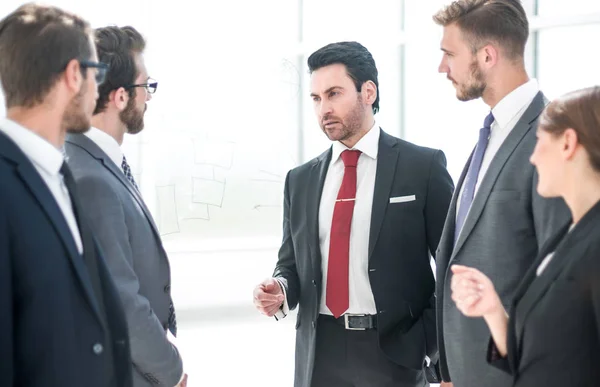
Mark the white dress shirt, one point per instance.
(47, 161)
(361, 295)
(107, 144)
(362, 300)
(506, 115)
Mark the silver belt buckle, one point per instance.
(347, 325)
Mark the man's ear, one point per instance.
(120, 97)
(489, 56)
(73, 77)
(369, 91)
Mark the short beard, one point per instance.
(132, 117)
(351, 124)
(74, 118)
(476, 86)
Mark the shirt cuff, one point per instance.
(284, 309)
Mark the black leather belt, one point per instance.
(353, 322)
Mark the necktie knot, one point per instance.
(487, 123)
(350, 157)
(484, 133)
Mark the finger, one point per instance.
(457, 269)
(268, 297)
(272, 310)
(266, 304)
(269, 284)
(463, 281)
(464, 293)
(469, 306)
(460, 269)
(471, 275)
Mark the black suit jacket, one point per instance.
(51, 330)
(402, 236)
(554, 326)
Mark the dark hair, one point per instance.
(483, 21)
(359, 63)
(117, 47)
(36, 44)
(580, 111)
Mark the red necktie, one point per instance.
(337, 296)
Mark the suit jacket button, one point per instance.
(98, 348)
(314, 282)
(313, 324)
(167, 289)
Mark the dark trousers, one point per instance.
(345, 358)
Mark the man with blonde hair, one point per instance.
(497, 222)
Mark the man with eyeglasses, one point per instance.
(62, 323)
(118, 215)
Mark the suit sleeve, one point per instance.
(6, 303)
(285, 270)
(439, 194)
(152, 353)
(496, 360)
(548, 214)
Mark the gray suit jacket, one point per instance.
(507, 224)
(135, 257)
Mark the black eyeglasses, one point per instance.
(101, 67)
(150, 86)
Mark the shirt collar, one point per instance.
(368, 144)
(514, 102)
(107, 144)
(41, 152)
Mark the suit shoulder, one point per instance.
(7, 176)
(424, 151)
(417, 154)
(303, 169)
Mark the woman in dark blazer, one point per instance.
(551, 337)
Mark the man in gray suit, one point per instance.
(497, 222)
(120, 220)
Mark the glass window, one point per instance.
(566, 60)
(571, 7)
(339, 20)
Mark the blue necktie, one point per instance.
(472, 175)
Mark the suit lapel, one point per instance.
(94, 150)
(567, 247)
(387, 161)
(318, 172)
(508, 147)
(446, 244)
(44, 197)
(515, 325)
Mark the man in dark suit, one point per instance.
(360, 222)
(61, 320)
(118, 216)
(497, 221)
